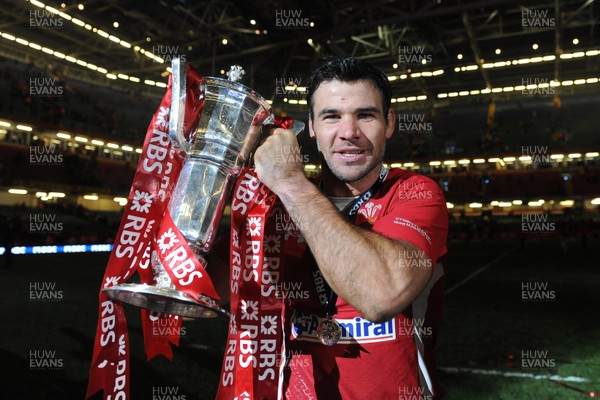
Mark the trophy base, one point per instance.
(165, 300)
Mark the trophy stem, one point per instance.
(161, 277)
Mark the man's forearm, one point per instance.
(362, 267)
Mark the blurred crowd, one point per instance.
(44, 96)
(41, 95)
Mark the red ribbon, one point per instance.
(157, 173)
(185, 270)
(283, 122)
(253, 366)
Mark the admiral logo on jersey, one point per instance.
(355, 330)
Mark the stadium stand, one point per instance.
(450, 132)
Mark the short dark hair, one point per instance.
(349, 69)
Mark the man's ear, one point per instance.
(310, 128)
(391, 124)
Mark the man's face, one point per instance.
(350, 128)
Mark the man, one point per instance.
(376, 237)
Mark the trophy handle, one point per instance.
(297, 126)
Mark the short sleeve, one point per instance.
(417, 213)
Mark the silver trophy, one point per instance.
(228, 132)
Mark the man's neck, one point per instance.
(332, 186)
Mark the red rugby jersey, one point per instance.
(391, 360)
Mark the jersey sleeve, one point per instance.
(418, 215)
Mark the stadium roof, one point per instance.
(433, 50)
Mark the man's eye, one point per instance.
(365, 116)
(331, 116)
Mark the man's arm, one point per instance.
(364, 268)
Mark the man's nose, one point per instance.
(348, 129)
